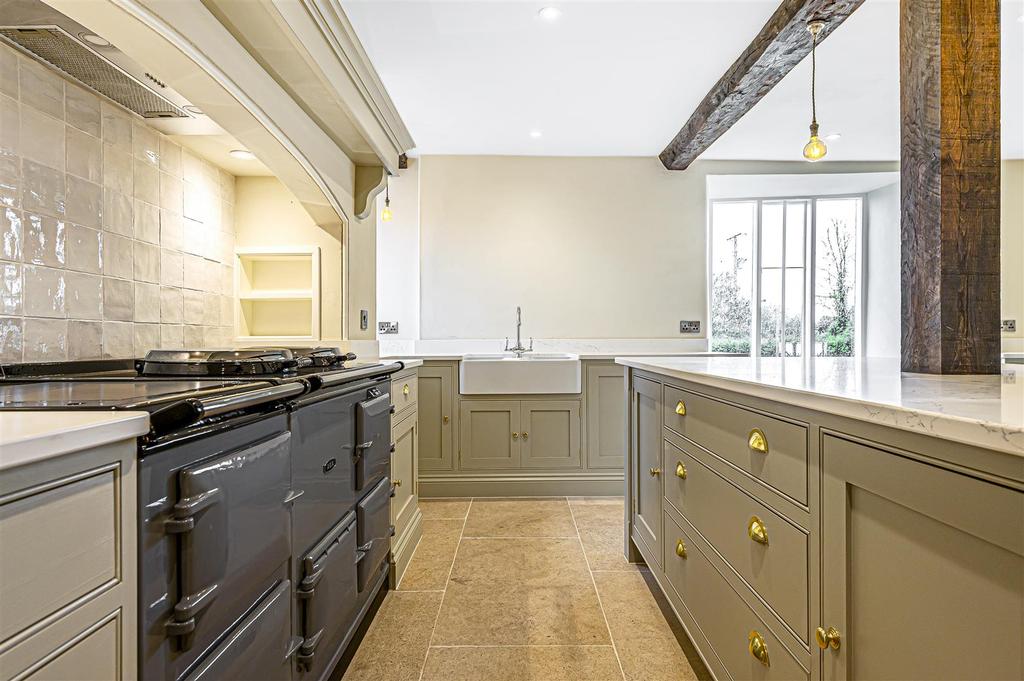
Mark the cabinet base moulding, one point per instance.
(522, 486)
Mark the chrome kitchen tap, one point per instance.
(518, 349)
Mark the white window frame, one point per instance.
(809, 265)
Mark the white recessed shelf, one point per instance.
(277, 293)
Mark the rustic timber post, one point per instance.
(949, 173)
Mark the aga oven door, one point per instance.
(233, 525)
(373, 514)
(373, 437)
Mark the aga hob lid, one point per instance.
(247, 362)
(323, 356)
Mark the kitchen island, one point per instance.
(831, 518)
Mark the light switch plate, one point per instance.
(1009, 325)
(385, 328)
(690, 326)
(364, 319)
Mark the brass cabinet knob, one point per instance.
(757, 531)
(405, 389)
(655, 472)
(758, 649)
(827, 638)
(526, 436)
(398, 483)
(515, 436)
(757, 441)
(681, 548)
(681, 408)
(680, 470)
(444, 419)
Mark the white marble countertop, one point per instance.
(985, 411)
(28, 436)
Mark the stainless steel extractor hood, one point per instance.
(40, 32)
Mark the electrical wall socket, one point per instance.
(1009, 325)
(689, 326)
(385, 328)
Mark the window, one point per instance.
(784, 276)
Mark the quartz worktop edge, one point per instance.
(982, 421)
(30, 436)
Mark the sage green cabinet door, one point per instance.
(922, 570)
(647, 443)
(606, 417)
(489, 434)
(436, 404)
(551, 434)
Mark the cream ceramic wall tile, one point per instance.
(193, 273)
(84, 246)
(84, 155)
(147, 337)
(191, 166)
(11, 339)
(147, 302)
(171, 305)
(85, 339)
(42, 138)
(45, 292)
(147, 262)
(171, 336)
(147, 222)
(84, 295)
(146, 143)
(10, 180)
(195, 202)
(117, 127)
(170, 230)
(118, 173)
(227, 186)
(10, 126)
(46, 340)
(227, 279)
(193, 336)
(11, 234)
(8, 71)
(118, 260)
(227, 310)
(42, 188)
(118, 339)
(211, 276)
(41, 88)
(118, 213)
(227, 217)
(147, 181)
(170, 192)
(193, 306)
(82, 109)
(193, 237)
(45, 240)
(10, 288)
(211, 309)
(170, 157)
(171, 267)
(84, 202)
(213, 337)
(118, 299)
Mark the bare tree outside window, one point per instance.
(834, 334)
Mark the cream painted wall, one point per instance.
(268, 215)
(1011, 243)
(398, 256)
(589, 247)
(882, 309)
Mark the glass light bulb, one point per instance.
(815, 148)
(386, 214)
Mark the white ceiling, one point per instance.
(620, 77)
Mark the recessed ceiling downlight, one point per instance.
(536, 134)
(94, 40)
(831, 137)
(242, 154)
(549, 14)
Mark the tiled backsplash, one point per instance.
(113, 239)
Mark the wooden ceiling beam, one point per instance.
(778, 48)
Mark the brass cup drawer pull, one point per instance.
(405, 389)
(758, 649)
(515, 436)
(827, 638)
(655, 472)
(757, 441)
(680, 470)
(526, 436)
(681, 548)
(757, 531)
(398, 483)
(444, 419)
(681, 408)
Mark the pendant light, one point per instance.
(386, 215)
(815, 148)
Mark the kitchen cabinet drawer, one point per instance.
(403, 467)
(68, 534)
(726, 621)
(769, 448)
(736, 524)
(90, 656)
(404, 391)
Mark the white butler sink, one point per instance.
(532, 374)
